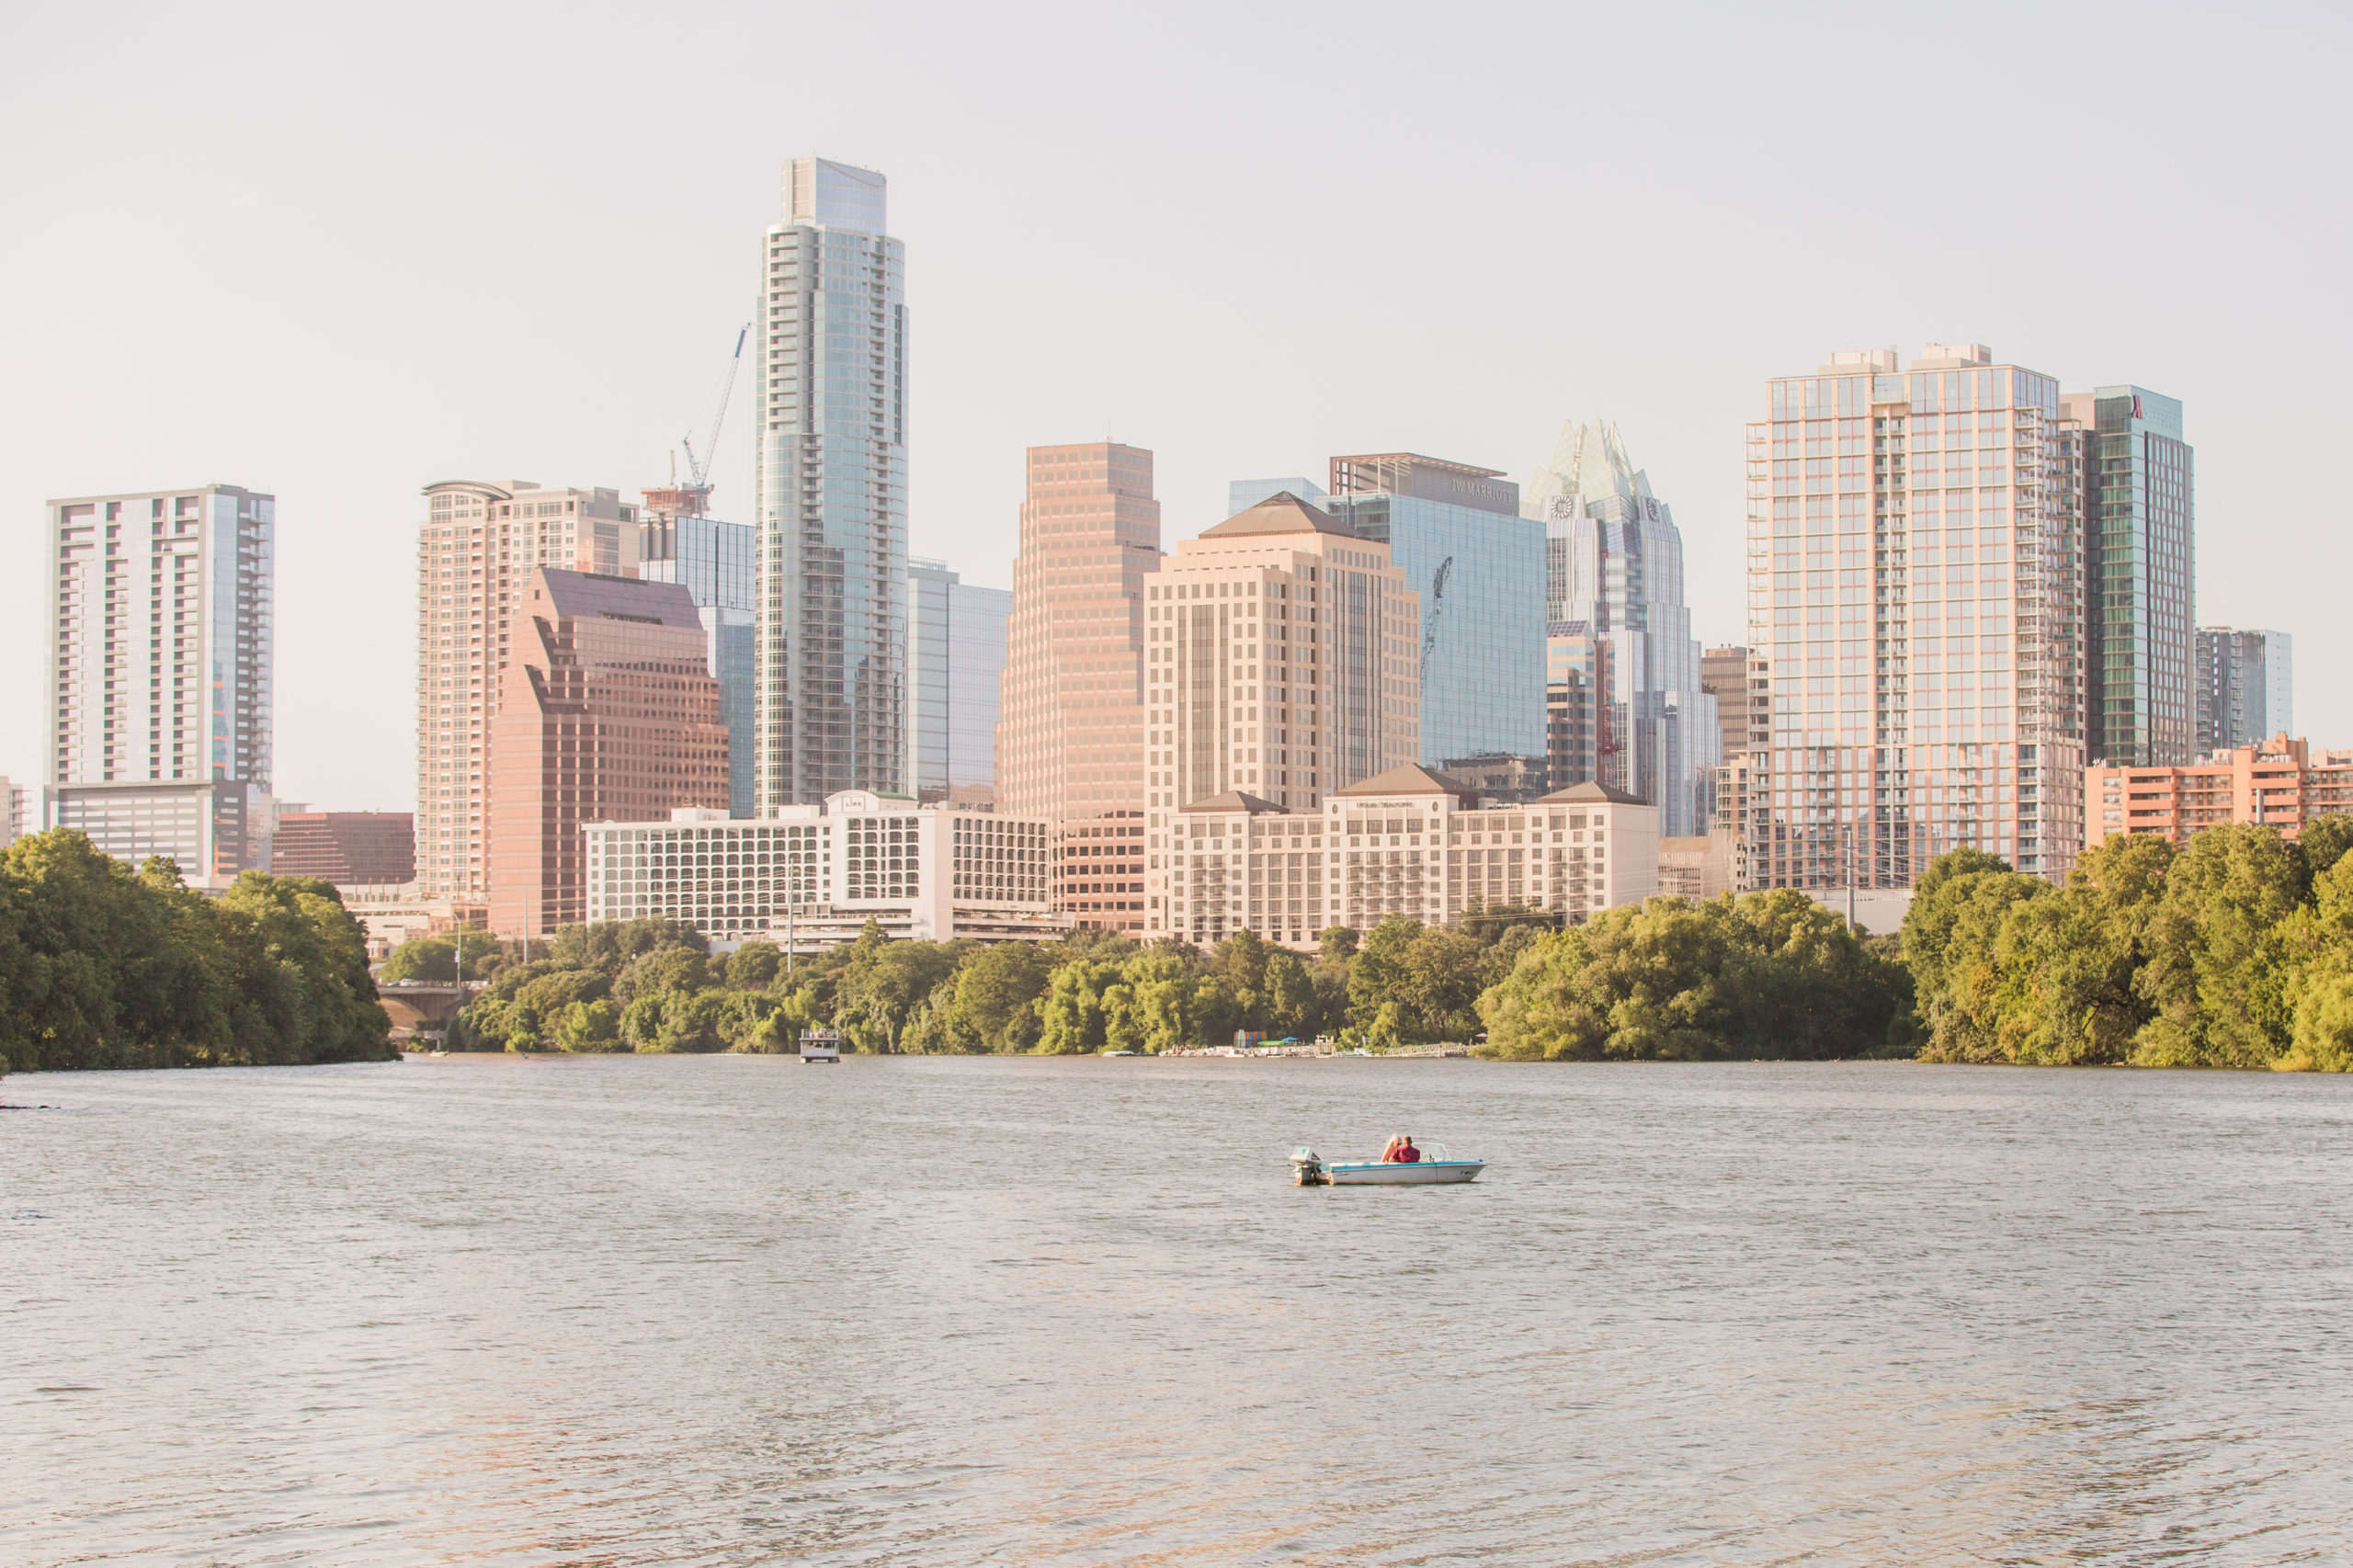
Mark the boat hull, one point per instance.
(1423, 1173)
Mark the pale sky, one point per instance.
(337, 253)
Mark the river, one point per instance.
(731, 1310)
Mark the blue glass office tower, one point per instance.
(1478, 566)
(831, 471)
(1614, 561)
(955, 664)
(714, 560)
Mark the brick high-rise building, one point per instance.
(1069, 744)
(606, 712)
(477, 549)
(352, 847)
(160, 675)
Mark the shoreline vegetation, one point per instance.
(2234, 952)
(102, 966)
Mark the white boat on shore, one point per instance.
(1435, 1166)
(820, 1045)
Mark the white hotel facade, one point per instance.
(815, 874)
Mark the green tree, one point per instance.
(588, 1026)
(2217, 975)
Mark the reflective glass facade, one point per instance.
(1614, 561)
(831, 471)
(2140, 554)
(955, 663)
(1478, 568)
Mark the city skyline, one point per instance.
(1016, 236)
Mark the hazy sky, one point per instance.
(337, 253)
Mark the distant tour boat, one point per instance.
(1432, 1167)
(820, 1045)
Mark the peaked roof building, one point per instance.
(1614, 561)
(606, 712)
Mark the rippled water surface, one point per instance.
(733, 1310)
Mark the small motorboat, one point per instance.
(1435, 1165)
(820, 1045)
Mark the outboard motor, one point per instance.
(1309, 1167)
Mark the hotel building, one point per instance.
(1477, 568)
(160, 675)
(955, 671)
(1070, 731)
(2246, 688)
(2278, 782)
(1912, 580)
(829, 468)
(2140, 562)
(1413, 842)
(606, 712)
(1280, 660)
(812, 875)
(477, 549)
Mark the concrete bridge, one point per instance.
(422, 1006)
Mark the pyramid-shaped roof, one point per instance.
(1589, 791)
(1234, 800)
(1411, 779)
(1281, 513)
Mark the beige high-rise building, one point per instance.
(474, 553)
(1070, 731)
(1280, 660)
(1914, 584)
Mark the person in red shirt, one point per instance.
(1406, 1153)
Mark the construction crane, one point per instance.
(694, 496)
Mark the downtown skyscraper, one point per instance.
(2138, 502)
(830, 473)
(1614, 565)
(475, 552)
(1914, 584)
(1069, 729)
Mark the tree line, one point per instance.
(102, 966)
(2234, 951)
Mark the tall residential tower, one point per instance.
(160, 675)
(1911, 583)
(830, 469)
(475, 552)
(2140, 562)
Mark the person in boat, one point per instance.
(1401, 1150)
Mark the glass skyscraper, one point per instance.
(830, 473)
(2139, 563)
(713, 561)
(955, 666)
(1478, 568)
(1614, 561)
(2246, 688)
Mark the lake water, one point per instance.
(733, 1310)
